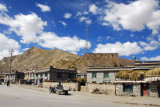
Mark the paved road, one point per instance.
(21, 97)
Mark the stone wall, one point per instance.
(103, 59)
(97, 59)
(119, 88)
(69, 85)
(109, 88)
(137, 89)
(153, 92)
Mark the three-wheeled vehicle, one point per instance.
(58, 89)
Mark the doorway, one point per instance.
(144, 89)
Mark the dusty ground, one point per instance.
(31, 96)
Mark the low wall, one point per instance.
(69, 85)
(153, 92)
(108, 88)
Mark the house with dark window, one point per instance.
(50, 74)
(14, 76)
(103, 74)
(148, 85)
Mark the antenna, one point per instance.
(86, 45)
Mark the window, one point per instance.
(33, 74)
(93, 75)
(41, 75)
(45, 74)
(69, 75)
(78, 76)
(59, 75)
(106, 75)
(18, 75)
(85, 76)
(127, 87)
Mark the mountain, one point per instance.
(36, 57)
(126, 62)
(40, 58)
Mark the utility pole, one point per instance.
(86, 45)
(86, 52)
(11, 53)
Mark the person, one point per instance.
(8, 83)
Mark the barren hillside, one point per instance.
(36, 57)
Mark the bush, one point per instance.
(81, 80)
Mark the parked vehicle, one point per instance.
(58, 89)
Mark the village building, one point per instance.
(81, 75)
(107, 72)
(14, 76)
(148, 86)
(1, 77)
(103, 74)
(147, 64)
(50, 74)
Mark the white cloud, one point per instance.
(88, 21)
(150, 46)
(67, 15)
(6, 44)
(63, 23)
(27, 26)
(108, 38)
(93, 9)
(25, 49)
(85, 19)
(134, 16)
(157, 58)
(105, 24)
(3, 8)
(71, 44)
(78, 13)
(124, 49)
(85, 12)
(44, 8)
(82, 13)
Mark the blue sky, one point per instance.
(130, 28)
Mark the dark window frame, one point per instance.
(94, 75)
(128, 87)
(59, 75)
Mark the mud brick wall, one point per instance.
(119, 88)
(109, 88)
(137, 89)
(104, 59)
(153, 90)
(69, 85)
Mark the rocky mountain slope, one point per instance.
(36, 57)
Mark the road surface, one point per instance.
(15, 96)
